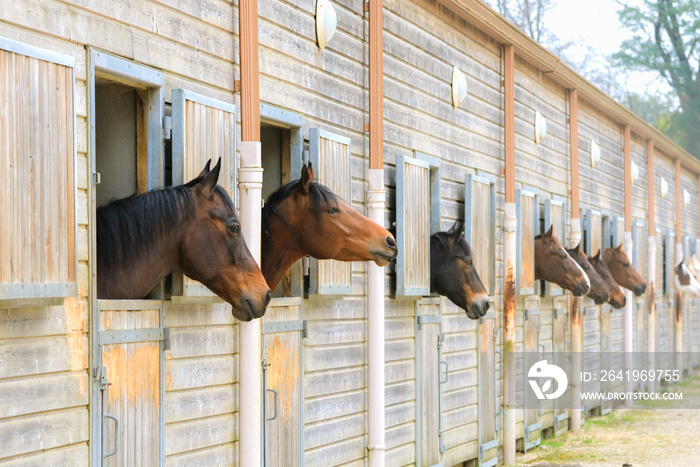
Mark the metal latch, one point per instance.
(96, 178)
(167, 128)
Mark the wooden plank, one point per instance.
(43, 431)
(200, 372)
(37, 321)
(200, 402)
(75, 455)
(223, 454)
(43, 393)
(202, 341)
(200, 433)
(23, 357)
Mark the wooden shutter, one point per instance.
(37, 173)
(412, 227)
(593, 232)
(555, 215)
(640, 247)
(479, 226)
(527, 213)
(659, 286)
(203, 129)
(669, 265)
(331, 158)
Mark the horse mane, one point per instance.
(128, 227)
(322, 199)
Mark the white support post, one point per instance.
(510, 225)
(250, 176)
(628, 325)
(651, 306)
(375, 331)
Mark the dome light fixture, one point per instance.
(459, 87)
(686, 198)
(326, 22)
(634, 175)
(595, 154)
(664, 188)
(540, 127)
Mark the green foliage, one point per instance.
(665, 40)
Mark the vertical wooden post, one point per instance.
(575, 307)
(678, 329)
(250, 338)
(651, 266)
(375, 275)
(510, 224)
(628, 325)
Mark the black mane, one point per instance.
(322, 199)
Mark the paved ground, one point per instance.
(648, 437)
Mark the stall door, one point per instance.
(283, 331)
(431, 374)
(130, 380)
(487, 380)
(605, 360)
(561, 359)
(531, 404)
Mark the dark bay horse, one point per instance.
(452, 272)
(192, 229)
(617, 297)
(622, 271)
(599, 289)
(304, 218)
(553, 264)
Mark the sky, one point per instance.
(595, 23)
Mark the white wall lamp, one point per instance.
(326, 22)
(634, 175)
(686, 198)
(595, 154)
(540, 127)
(459, 87)
(664, 188)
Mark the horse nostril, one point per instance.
(268, 297)
(487, 305)
(390, 241)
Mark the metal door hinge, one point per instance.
(96, 178)
(167, 128)
(167, 344)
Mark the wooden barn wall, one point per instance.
(666, 206)
(602, 186)
(44, 377)
(639, 188)
(196, 44)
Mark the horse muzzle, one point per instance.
(390, 251)
(639, 289)
(249, 309)
(581, 289)
(478, 308)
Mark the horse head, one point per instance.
(553, 264)
(212, 249)
(622, 271)
(685, 279)
(452, 272)
(617, 297)
(599, 290)
(304, 218)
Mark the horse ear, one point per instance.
(208, 183)
(550, 232)
(597, 256)
(307, 176)
(456, 229)
(206, 169)
(618, 249)
(578, 247)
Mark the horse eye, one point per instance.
(333, 210)
(233, 227)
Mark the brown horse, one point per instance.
(599, 290)
(304, 218)
(617, 297)
(192, 229)
(622, 271)
(453, 274)
(553, 264)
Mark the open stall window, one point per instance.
(639, 242)
(592, 235)
(555, 216)
(417, 213)
(527, 213)
(37, 174)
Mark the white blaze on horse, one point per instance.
(686, 277)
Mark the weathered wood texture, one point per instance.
(201, 400)
(666, 205)
(37, 184)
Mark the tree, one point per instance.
(665, 40)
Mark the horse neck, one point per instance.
(280, 250)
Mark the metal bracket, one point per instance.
(167, 344)
(96, 178)
(167, 128)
